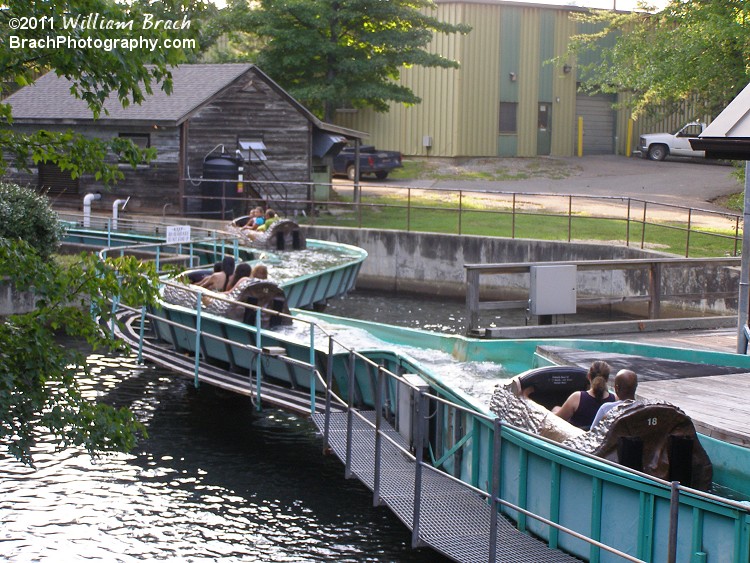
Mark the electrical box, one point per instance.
(427, 141)
(408, 399)
(553, 290)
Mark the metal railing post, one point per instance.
(494, 505)
(329, 382)
(312, 369)
(460, 209)
(198, 307)
(419, 451)
(674, 510)
(359, 210)
(736, 234)
(109, 233)
(258, 359)
(350, 417)
(378, 439)
(513, 218)
(643, 225)
(140, 335)
(570, 217)
(687, 237)
(627, 226)
(408, 210)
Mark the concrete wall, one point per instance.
(13, 302)
(433, 263)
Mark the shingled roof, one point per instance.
(48, 100)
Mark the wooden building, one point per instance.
(215, 114)
(507, 98)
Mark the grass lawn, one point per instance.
(440, 215)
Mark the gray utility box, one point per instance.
(553, 290)
(408, 399)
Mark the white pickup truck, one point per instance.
(657, 146)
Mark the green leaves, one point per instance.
(38, 390)
(694, 50)
(95, 73)
(39, 394)
(330, 54)
(26, 215)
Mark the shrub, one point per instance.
(26, 215)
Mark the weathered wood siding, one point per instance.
(150, 187)
(250, 109)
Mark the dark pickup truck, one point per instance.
(371, 161)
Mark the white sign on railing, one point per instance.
(178, 233)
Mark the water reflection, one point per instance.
(443, 314)
(214, 480)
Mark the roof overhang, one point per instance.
(728, 136)
(723, 147)
(103, 122)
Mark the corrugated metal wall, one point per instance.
(564, 90)
(460, 108)
(510, 64)
(477, 110)
(405, 127)
(528, 78)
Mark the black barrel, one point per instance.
(220, 198)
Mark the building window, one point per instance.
(253, 150)
(508, 117)
(53, 181)
(140, 140)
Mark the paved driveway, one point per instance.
(685, 182)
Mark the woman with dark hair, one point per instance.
(580, 408)
(219, 280)
(243, 271)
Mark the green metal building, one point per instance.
(507, 98)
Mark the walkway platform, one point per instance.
(709, 394)
(454, 520)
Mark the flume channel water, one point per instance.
(213, 481)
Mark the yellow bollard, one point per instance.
(630, 137)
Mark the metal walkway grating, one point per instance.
(454, 520)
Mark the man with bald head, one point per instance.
(626, 382)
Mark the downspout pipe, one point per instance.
(87, 199)
(115, 210)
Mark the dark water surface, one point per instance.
(442, 314)
(214, 481)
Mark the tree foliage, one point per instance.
(39, 394)
(343, 53)
(27, 215)
(95, 74)
(38, 390)
(694, 50)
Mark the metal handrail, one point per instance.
(515, 199)
(653, 296)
